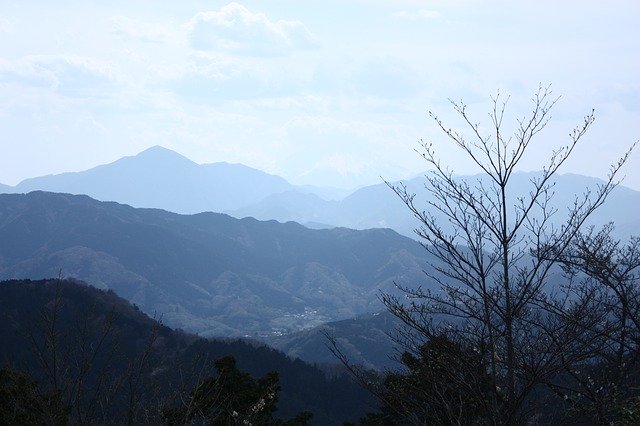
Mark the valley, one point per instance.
(270, 279)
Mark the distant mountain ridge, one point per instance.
(208, 273)
(161, 178)
(377, 206)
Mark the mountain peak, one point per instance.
(158, 148)
(160, 152)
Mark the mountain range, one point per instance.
(164, 179)
(208, 273)
(378, 206)
(161, 178)
(216, 275)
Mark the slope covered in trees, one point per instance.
(102, 357)
(367, 340)
(208, 272)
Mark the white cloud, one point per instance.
(70, 75)
(236, 29)
(140, 30)
(6, 26)
(422, 14)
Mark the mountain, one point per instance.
(326, 193)
(161, 178)
(208, 273)
(378, 206)
(138, 357)
(366, 340)
(293, 206)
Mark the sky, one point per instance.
(331, 93)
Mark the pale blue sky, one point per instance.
(328, 93)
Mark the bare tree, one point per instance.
(78, 351)
(603, 276)
(495, 256)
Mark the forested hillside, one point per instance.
(208, 273)
(109, 361)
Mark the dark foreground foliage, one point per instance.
(22, 403)
(442, 384)
(445, 383)
(81, 355)
(233, 397)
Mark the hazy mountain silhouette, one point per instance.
(324, 192)
(293, 206)
(161, 178)
(378, 206)
(209, 272)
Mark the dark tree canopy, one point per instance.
(232, 397)
(22, 403)
(106, 362)
(444, 383)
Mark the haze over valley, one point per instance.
(210, 273)
(362, 212)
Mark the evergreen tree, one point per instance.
(21, 403)
(233, 397)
